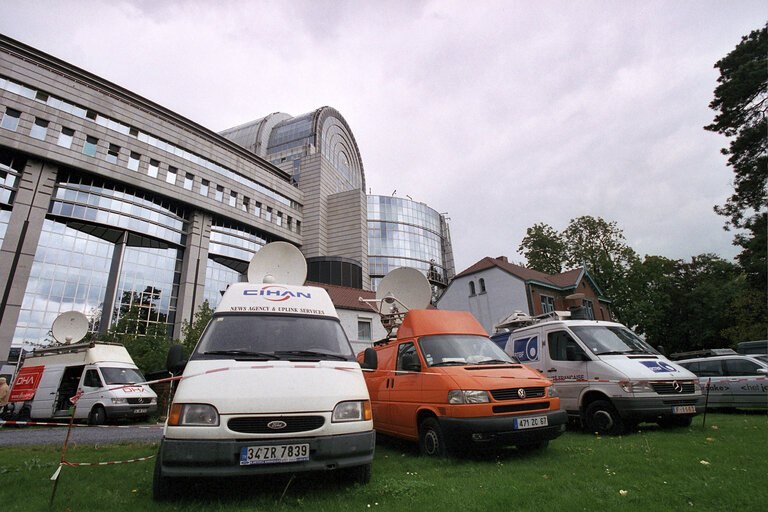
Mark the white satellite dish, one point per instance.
(403, 287)
(70, 327)
(278, 262)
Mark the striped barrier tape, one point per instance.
(63, 462)
(53, 424)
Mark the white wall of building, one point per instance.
(504, 293)
(349, 320)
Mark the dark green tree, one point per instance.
(191, 332)
(543, 248)
(741, 103)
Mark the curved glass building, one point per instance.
(406, 233)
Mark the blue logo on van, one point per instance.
(659, 366)
(527, 349)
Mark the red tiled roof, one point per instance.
(567, 279)
(346, 297)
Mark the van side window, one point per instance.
(712, 368)
(563, 348)
(92, 379)
(405, 352)
(740, 367)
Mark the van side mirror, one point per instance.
(762, 371)
(370, 359)
(175, 361)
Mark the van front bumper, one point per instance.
(651, 408)
(208, 457)
(500, 430)
(115, 412)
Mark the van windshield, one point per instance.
(121, 375)
(256, 337)
(603, 340)
(461, 349)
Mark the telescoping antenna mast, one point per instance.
(398, 292)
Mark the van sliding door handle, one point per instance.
(552, 370)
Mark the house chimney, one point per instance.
(503, 258)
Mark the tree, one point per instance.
(543, 248)
(191, 332)
(741, 103)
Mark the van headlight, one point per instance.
(552, 392)
(198, 415)
(357, 410)
(117, 401)
(629, 386)
(468, 396)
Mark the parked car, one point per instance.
(732, 380)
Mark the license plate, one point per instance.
(274, 454)
(684, 409)
(139, 411)
(532, 422)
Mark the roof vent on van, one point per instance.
(70, 327)
(399, 291)
(518, 319)
(278, 262)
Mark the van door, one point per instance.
(405, 391)
(713, 381)
(67, 389)
(379, 382)
(746, 389)
(567, 367)
(91, 384)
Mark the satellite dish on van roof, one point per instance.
(70, 327)
(278, 262)
(406, 286)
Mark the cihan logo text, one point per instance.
(278, 293)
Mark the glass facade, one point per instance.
(404, 233)
(11, 166)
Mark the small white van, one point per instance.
(605, 374)
(104, 373)
(272, 386)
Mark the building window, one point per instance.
(65, 137)
(298, 227)
(154, 167)
(289, 223)
(189, 178)
(133, 161)
(219, 193)
(10, 119)
(246, 203)
(279, 219)
(257, 208)
(39, 129)
(170, 176)
(590, 311)
(471, 288)
(204, 185)
(547, 304)
(269, 214)
(364, 329)
(482, 285)
(112, 153)
(89, 148)
(233, 199)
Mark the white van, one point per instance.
(605, 374)
(272, 386)
(103, 372)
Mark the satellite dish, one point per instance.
(70, 327)
(403, 286)
(278, 262)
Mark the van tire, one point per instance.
(431, 439)
(601, 417)
(97, 416)
(162, 488)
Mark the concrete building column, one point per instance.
(193, 268)
(30, 205)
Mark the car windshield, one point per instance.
(121, 375)
(257, 337)
(459, 349)
(603, 340)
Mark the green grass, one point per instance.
(723, 466)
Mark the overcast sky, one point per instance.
(501, 113)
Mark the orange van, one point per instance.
(444, 382)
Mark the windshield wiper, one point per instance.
(243, 354)
(310, 353)
(493, 361)
(613, 352)
(450, 363)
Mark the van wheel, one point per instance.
(162, 488)
(675, 421)
(431, 440)
(603, 418)
(98, 416)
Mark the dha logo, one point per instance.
(276, 293)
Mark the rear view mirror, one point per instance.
(175, 361)
(370, 359)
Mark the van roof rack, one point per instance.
(707, 352)
(518, 319)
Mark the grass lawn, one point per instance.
(721, 467)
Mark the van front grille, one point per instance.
(680, 402)
(513, 393)
(261, 424)
(527, 406)
(668, 388)
(139, 401)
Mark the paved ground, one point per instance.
(35, 436)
